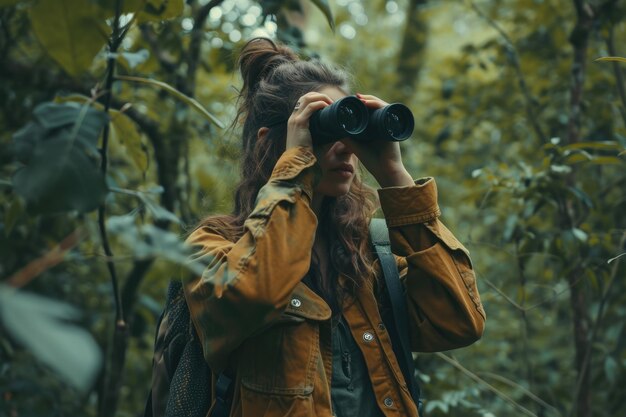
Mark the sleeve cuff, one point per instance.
(410, 205)
(292, 166)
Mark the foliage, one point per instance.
(112, 147)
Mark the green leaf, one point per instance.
(133, 59)
(577, 157)
(605, 145)
(148, 241)
(179, 95)
(60, 179)
(14, 212)
(324, 6)
(69, 32)
(611, 59)
(611, 369)
(510, 227)
(44, 327)
(127, 134)
(25, 140)
(159, 212)
(86, 121)
(560, 169)
(61, 174)
(606, 160)
(580, 234)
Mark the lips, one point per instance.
(345, 168)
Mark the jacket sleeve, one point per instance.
(246, 284)
(443, 301)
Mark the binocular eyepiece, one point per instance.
(349, 117)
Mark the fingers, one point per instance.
(306, 106)
(372, 101)
(298, 133)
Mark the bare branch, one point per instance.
(48, 260)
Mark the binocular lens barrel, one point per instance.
(392, 123)
(345, 117)
(349, 117)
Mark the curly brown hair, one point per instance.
(274, 77)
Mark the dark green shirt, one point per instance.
(351, 389)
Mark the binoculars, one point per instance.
(349, 117)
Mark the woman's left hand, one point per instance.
(382, 159)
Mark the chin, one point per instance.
(336, 191)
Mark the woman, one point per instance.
(289, 300)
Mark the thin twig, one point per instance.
(526, 391)
(109, 391)
(481, 381)
(113, 45)
(506, 297)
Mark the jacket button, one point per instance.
(368, 337)
(295, 302)
(388, 402)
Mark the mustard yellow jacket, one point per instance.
(254, 315)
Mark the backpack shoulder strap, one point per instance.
(397, 297)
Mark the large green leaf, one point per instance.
(44, 327)
(25, 141)
(123, 130)
(70, 31)
(86, 122)
(62, 173)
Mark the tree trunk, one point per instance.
(411, 53)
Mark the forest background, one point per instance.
(114, 142)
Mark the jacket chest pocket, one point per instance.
(282, 360)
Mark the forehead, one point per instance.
(333, 92)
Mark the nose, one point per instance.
(340, 148)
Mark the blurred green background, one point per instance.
(523, 128)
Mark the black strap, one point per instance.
(223, 396)
(397, 297)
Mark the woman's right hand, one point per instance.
(298, 133)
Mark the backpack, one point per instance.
(182, 380)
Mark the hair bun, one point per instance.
(258, 57)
